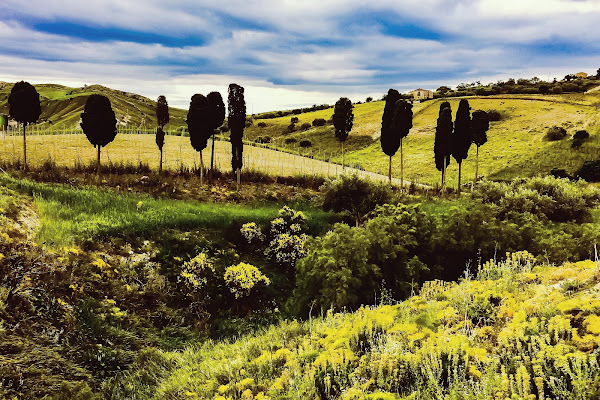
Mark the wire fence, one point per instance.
(69, 146)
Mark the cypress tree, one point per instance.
(389, 138)
(162, 118)
(98, 122)
(461, 139)
(442, 143)
(479, 127)
(216, 111)
(343, 118)
(236, 107)
(402, 123)
(198, 127)
(24, 107)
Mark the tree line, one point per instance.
(206, 114)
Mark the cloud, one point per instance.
(294, 53)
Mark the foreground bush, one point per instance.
(556, 133)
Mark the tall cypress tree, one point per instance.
(389, 138)
(98, 122)
(236, 106)
(216, 111)
(197, 119)
(461, 139)
(24, 107)
(402, 123)
(479, 127)
(343, 119)
(162, 118)
(442, 144)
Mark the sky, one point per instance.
(293, 53)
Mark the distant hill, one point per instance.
(62, 105)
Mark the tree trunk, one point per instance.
(212, 153)
(343, 159)
(390, 171)
(24, 147)
(98, 162)
(160, 164)
(477, 165)
(239, 172)
(401, 166)
(444, 176)
(201, 169)
(459, 172)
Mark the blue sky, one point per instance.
(294, 53)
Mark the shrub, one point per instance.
(560, 173)
(291, 127)
(287, 238)
(305, 126)
(305, 143)
(319, 122)
(290, 140)
(556, 133)
(336, 272)
(263, 139)
(294, 120)
(262, 124)
(590, 171)
(557, 90)
(556, 199)
(243, 278)
(579, 138)
(494, 115)
(355, 196)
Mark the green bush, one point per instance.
(556, 199)
(590, 171)
(354, 196)
(319, 122)
(336, 273)
(305, 126)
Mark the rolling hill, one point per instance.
(62, 105)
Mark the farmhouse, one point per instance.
(421, 94)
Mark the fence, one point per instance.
(67, 146)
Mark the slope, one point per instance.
(62, 105)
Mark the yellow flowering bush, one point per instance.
(243, 278)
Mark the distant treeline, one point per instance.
(570, 84)
(295, 111)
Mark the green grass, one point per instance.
(70, 215)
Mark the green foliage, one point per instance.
(557, 199)
(353, 195)
(336, 272)
(443, 132)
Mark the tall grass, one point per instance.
(69, 215)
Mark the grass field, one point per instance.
(68, 214)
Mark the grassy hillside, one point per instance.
(62, 106)
(516, 144)
(519, 329)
